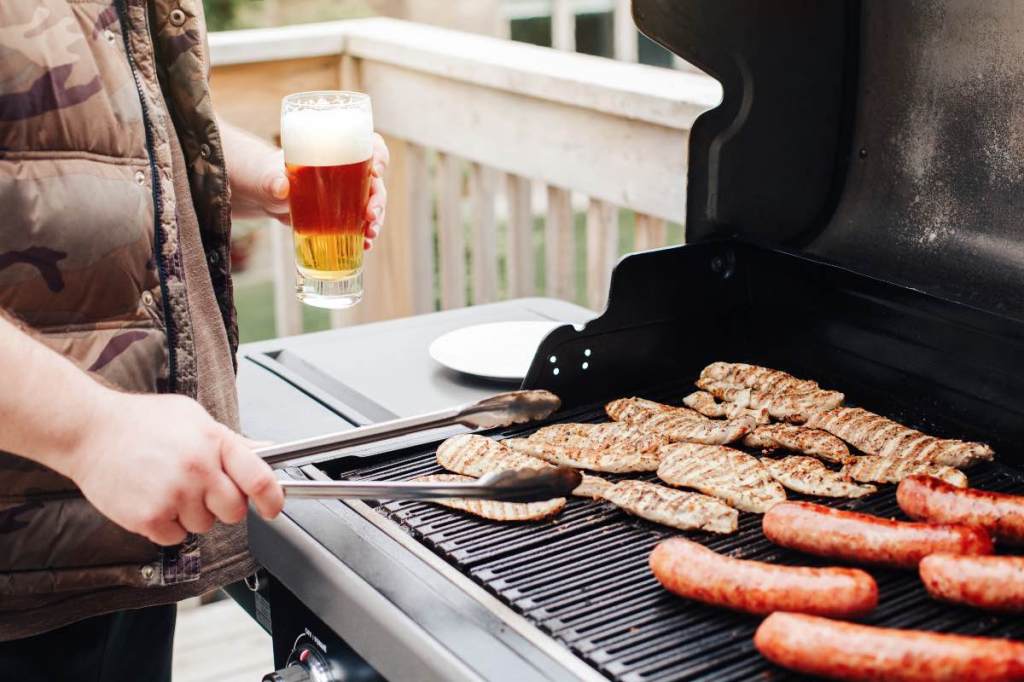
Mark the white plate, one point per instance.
(498, 350)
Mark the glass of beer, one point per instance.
(327, 137)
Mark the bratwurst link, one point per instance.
(925, 497)
(986, 582)
(862, 538)
(693, 571)
(847, 651)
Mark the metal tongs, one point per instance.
(523, 485)
(504, 409)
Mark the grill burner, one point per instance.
(583, 576)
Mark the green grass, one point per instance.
(255, 301)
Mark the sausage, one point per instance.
(924, 497)
(848, 651)
(693, 571)
(862, 538)
(987, 582)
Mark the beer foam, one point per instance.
(328, 137)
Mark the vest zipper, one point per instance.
(159, 238)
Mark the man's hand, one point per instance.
(259, 186)
(160, 466)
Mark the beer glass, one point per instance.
(327, 137)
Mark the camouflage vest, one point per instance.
(90, 93)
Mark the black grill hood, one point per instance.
(887, 137)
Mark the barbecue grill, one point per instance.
(850, 222)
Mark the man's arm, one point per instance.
(157, 465)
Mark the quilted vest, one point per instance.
(91, 94)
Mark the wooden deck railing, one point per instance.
(476, 125)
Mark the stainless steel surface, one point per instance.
(524, 485)
(505, 409)
(380, 371)
(574, 667)
(392, 642)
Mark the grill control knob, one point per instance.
(305, 665)
(293, 673)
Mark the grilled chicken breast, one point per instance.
(877, 435)
(599, 436)
(814, 442)
(612, 460)
(796, 407)
(675, 508)
(730, 475)
(764, 379)
(705, 403)
(894, 469)
(593, 487)
(472, 455)
(678, 424)
(809, 476)
(490, 509)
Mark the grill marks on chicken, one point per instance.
(814, 442)
(877, 469)
(705, 403)
(613, 459)
(753, 387)
(877, 435)
(809, 476)
(490, 509)
(593, 487)
(597, 436)
(739, 479)
(675, 508)
(611, 448)
(760, 378)
(615, 448)
(791, 407)
(472, 455)
(678, 424)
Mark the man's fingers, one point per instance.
(225, 500)
(381, 154)
(166, 533)
(275, 189)
(255, 444)
(275, 186)
(252, 476)
(375, 208)
(195, 517)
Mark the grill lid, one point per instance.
(883, 136)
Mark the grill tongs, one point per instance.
(523, 485)
(505, 409)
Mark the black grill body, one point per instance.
(878, 135)
(582, 578)
(853, 210)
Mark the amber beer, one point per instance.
(328, 144)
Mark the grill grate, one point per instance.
(582, 577)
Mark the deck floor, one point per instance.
(219, 642)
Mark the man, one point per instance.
(123, 481)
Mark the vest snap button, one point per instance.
(147, 572)
(140, 177)
(147, 298)
(110, 36)
(177, 17)
(213, 257)
(204, 151)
